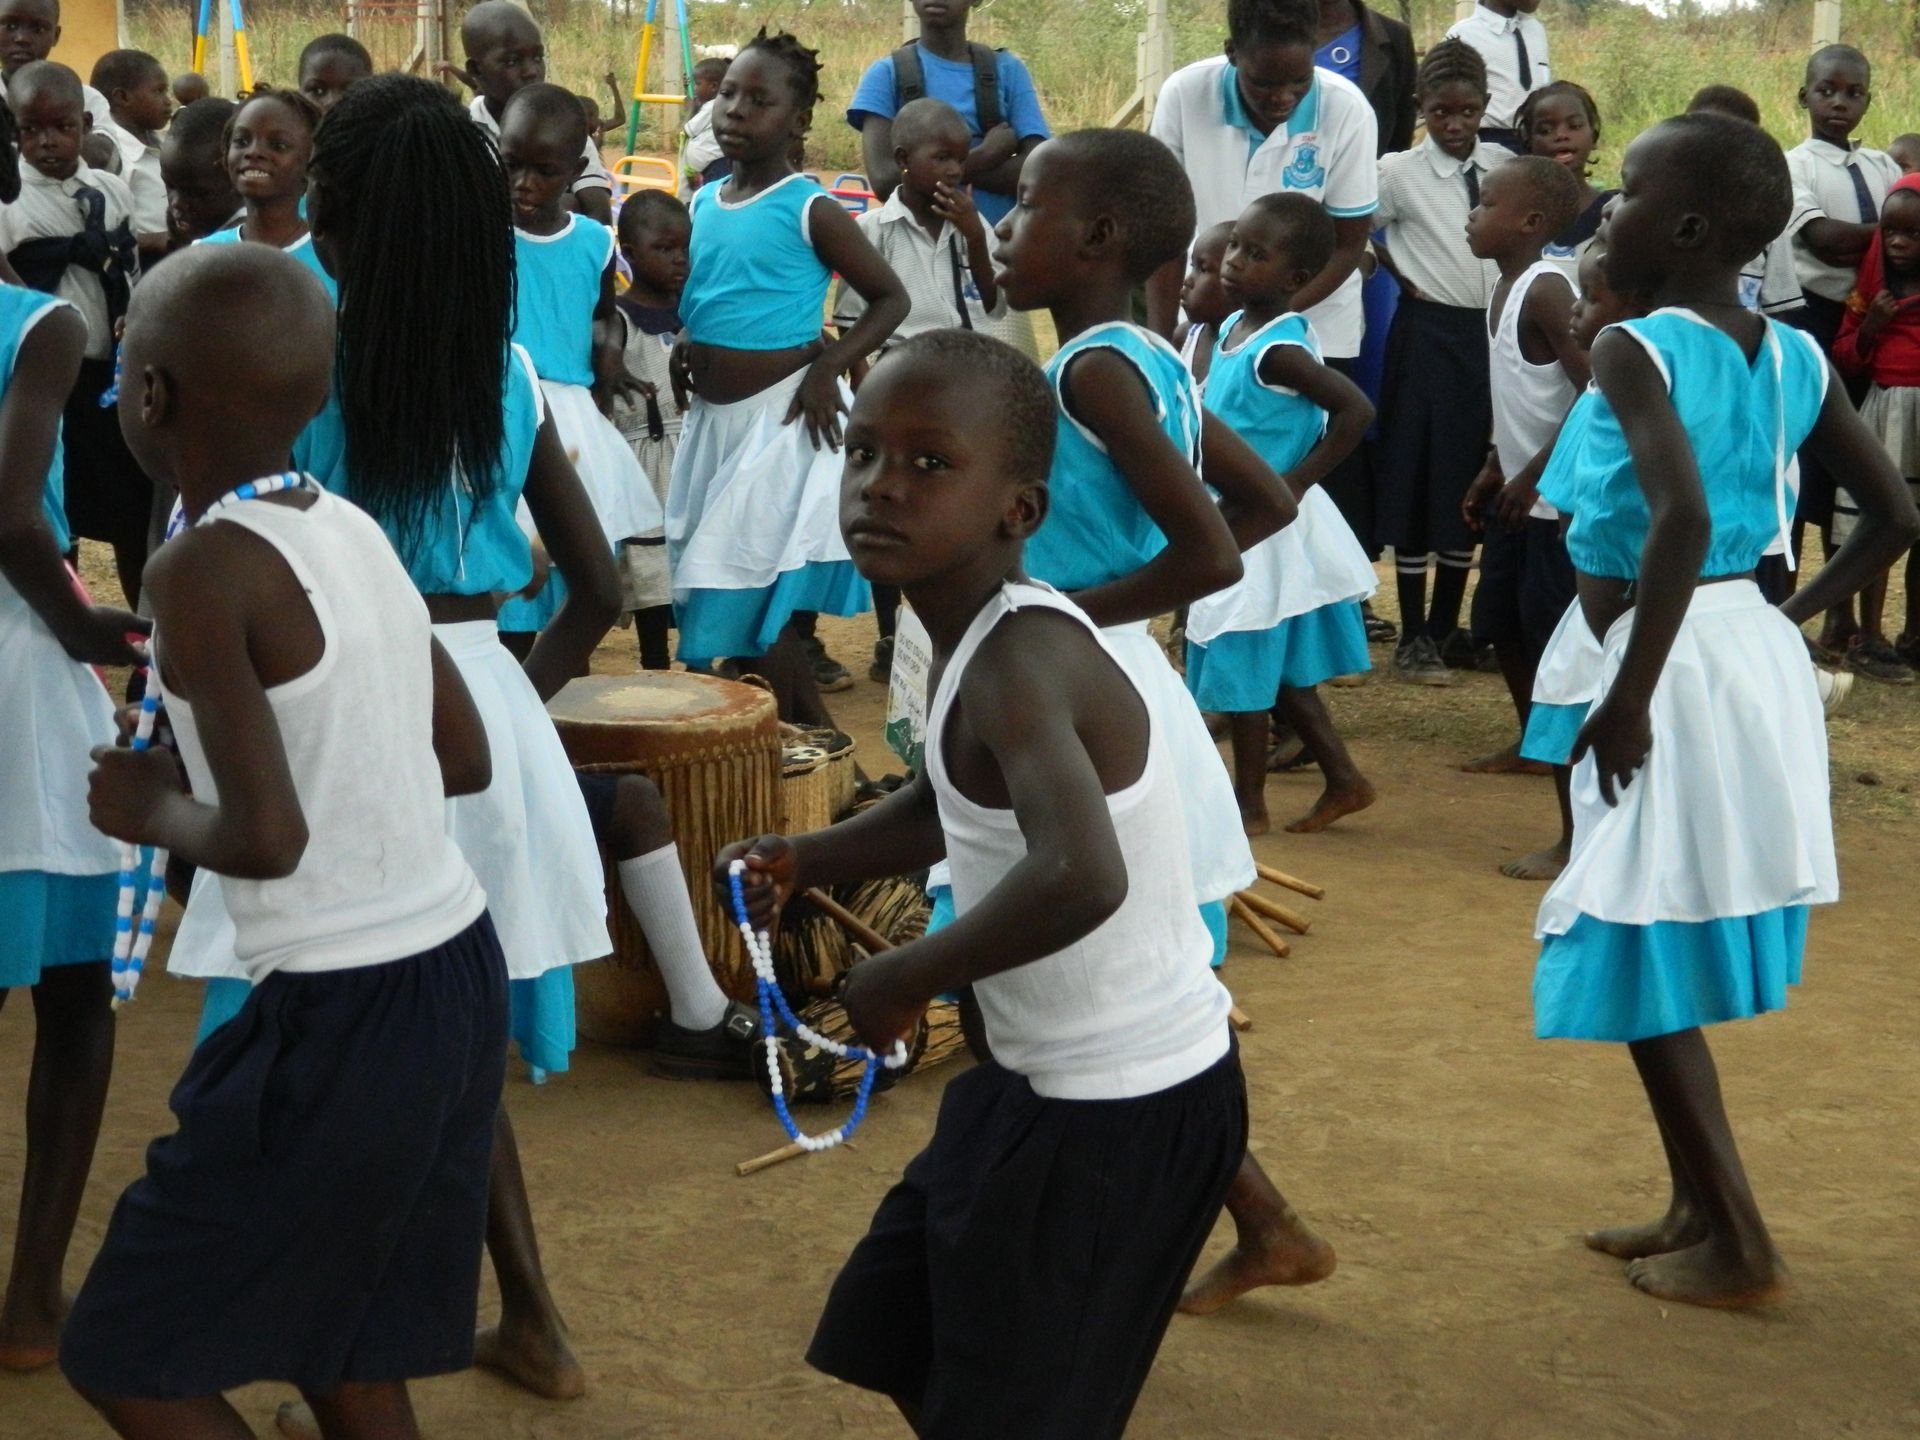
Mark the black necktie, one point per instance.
(1526, 65)
(1869, 212)
(1472, 177)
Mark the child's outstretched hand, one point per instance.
(105, 637)
(772, 875)
(880, 1006)
(447, 67)
(957, 207)
(819, 400)
(129, 788)
(1620, 736)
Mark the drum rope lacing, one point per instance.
(132, 941)
(760, 951)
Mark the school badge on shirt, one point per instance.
(1304, 171)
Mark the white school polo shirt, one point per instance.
(1423, 213)
(1325, 151)
(1494, 36)
(1823, 189)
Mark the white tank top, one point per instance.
(380, 879)
(1529, 400)
(1132, 1008)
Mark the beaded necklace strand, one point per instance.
(760, 951)
(132, 941)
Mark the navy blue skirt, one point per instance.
(1436, 420)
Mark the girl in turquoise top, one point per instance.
(1134, 534)
(753, 530)
(269, 144)
(1294, 620)
(57, 873)
(1701, 827)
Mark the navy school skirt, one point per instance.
(1436, 422)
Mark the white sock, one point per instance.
(656, 891)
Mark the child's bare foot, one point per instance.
(1253, 819)
(32, 1341)
(1285, 1254)
(1711, 1273)
(1332, 804)
(1675, 1230)
(1506, 762)
(1540, 865)
(544, 1364)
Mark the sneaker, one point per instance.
(1834, 687)
(829, 675)
(1907, 647)
(721, 1052)
(1457, 651)
(881, 670)
(1417, 661)
(1378, 631)
(1876, 660)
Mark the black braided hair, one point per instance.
(1448, 63)
(803, 65)
(415, 201)
(298, 101)
(1558, 90)
(1254, 24)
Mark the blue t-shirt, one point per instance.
(301, 250)
(1096, 529)
(1745, 419)
(755, 282)
(20, 310)
(558, 288)
(952, 81)
(1341, 55)
(1282, 425)
(464, 549)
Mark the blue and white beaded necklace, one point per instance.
(760, 951)
(133, 940)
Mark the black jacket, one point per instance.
(1386, 75)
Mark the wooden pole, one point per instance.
(1260, 928)
(1826, 23)
(1288, 882)
(793, 1150)
(1274, 910)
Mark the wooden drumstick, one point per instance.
(1259, 927)
(1289, 882)
(1239, 1019)
(1274, 910)
(791, 1151)
(868, 937)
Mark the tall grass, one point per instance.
(1081, 52)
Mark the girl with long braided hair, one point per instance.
(436, 428)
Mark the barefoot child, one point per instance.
(1294, 620)
(750, 529)
(193, 162)
(307, 693)
(1701, 823)
(1132, 532)
(328, 65)
(1537, 369)
(1204, 300)
(1107, 1130)
(564, 320)
(62, 198)
(505, 53)
(654, 232)
(56, 871)
(269, 144)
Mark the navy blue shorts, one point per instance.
(318, 1216)
(1018, 1280)
(1526, 585)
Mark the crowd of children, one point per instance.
(374, 528)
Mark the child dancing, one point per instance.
(1701, 824)
(1106, 1131)
(1294, 619)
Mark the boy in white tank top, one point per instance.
(1106, 1132)
(1538, 369)
(318, 1215)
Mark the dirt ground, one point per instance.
(1398, 1096)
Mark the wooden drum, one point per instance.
(713, 748)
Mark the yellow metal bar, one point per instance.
(640, 69)
(661, 99)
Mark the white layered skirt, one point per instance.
(1315, 561)
(616, 484)
(1564, 687)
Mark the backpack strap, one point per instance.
(986, 85)
(909, 80)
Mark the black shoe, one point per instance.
(1378, 631)
(830, 677)
(881, 670)
(1457, 652)
(721, 1052)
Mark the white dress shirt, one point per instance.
(1424, 202)
(1492, 34)
(1823, 189)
